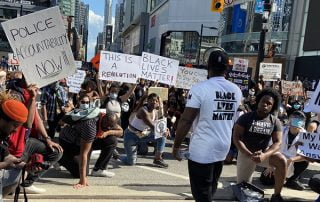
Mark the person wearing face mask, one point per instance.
(97, 132)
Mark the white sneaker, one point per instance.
(102, 173)
(33, 190)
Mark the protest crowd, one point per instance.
(49, 123)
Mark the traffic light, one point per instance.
(217, 5)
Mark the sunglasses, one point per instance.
(85, 102)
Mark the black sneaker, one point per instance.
(294, 184)
(276, 198)
(160, 163)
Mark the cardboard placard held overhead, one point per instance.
(75, 81)
(187, 77)
(161, 92)
(311, 146)
(270, 71)
(119, 67)
(157, 68)
(240, 65)
(40, 42)
(292, 88)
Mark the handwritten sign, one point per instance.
(119, 67)
(314, 103)
(241, 79)
(311, 145)
(161, 92)
(75, 81)
(78, 64)
(292, 88)
(270, 71)
(157, 68)
(40, 42)
(187, 77)
(160, 128)
(12, 59)
(240, 65)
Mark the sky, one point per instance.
(96, 16)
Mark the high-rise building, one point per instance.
(107, 12)
(67, 7)
(118, 26)
(99, 44)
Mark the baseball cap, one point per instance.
(218, 59)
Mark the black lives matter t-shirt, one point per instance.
(258, 131)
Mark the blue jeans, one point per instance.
(130, 145)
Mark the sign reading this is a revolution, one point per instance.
(187, 77)
(157, 68)
(40, 42)
(119, 67)
(310, 146)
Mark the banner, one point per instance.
(310, 145)
(241, 79)
(119, 67)
(187, 77)
(240, 65)
(270, 71)
(40, 42)
(75, 81)
(314, 103)
(161, 92)
(157, 68)
(292, 88)
(238, 19)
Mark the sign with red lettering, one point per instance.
(40, 43)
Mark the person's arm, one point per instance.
(33, 91)
(126, 96)
(99, 86)
(142, 114)
(183, 128)
(238, 132)
(276, 139)
(85, 148)
(117, 131)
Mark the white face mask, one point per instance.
(113, 95)
(84, 106)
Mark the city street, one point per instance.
(144, 182)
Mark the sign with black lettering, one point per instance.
(119, 67)
(40, 43)
(310, 146)
(160, 128)
(270, 71)
(187, 77)
(75, 81)
(225, 106)
(314, 104)
(157, 68)
(241, 79)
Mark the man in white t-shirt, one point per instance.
(211, 108)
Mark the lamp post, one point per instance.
(199, 49)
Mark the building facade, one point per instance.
(99, 44)
(118, 27)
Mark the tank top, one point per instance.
(114, 106)
(139, 124)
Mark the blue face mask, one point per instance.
(296, 106)
(296, 122)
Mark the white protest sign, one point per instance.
(40, 42)
(78, 64)
(12, 59)
(314, 103)
(311, 145)
(270, 71)
(240, 65)
(119, 67)
(187, 77)
(157, 68)
(75, 81)
(160, 128)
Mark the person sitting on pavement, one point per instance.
(97, 132)
(252, 134)
(290, 141)
(141, 128)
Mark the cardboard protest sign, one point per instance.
(187, 77)
(270, 71)
(78, 64)
(157, 68)
(314, 103)
(75, 81)
(40, 43)
(293, 88)
(240, 65)
(161, 92)
(241, 79)
(119, 67)
(310, 145)
(160, 128)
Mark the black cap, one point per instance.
(218, 60)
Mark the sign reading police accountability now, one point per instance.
(75, 81)
(187, 77)
(40, 42)
(310, 145)
(119, 67)
(157, 68)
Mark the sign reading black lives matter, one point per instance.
(40, 42)
(310, 145)
(157, 68)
